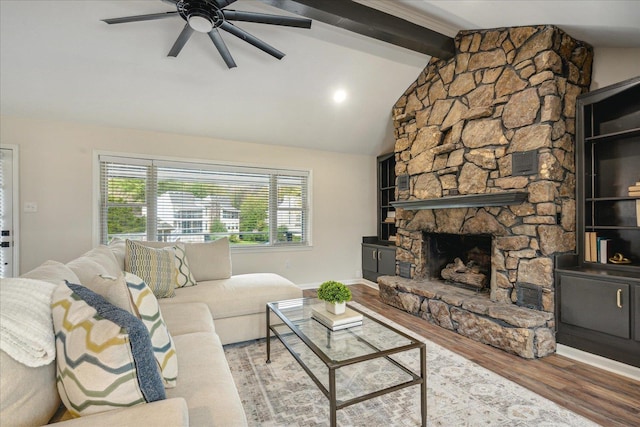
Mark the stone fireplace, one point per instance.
(485, 164)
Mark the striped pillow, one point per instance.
(104, 357)
(155, 266)
(149, 312)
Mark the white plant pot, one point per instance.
(335, 307)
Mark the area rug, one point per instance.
(459, 392)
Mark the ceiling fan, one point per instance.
(207, 16)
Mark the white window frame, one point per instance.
(96, 232)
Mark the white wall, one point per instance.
(613, 65)
(56, 172)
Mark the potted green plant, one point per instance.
(335, 296)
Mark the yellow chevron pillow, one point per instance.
(104, 356)
(148, 310)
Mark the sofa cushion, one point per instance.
(238, 295)
(187, 318)
(53, 272)
(97, 261)
(28, 396)
(155, 266)
(211, 260)
(147, 309)
(119, 248)
(104, 355)
(168, 412)
(206, 382)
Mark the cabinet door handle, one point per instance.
(375, 254)
(379, 255)
(619, 298)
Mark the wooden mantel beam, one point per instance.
(373, 23)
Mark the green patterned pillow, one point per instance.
(157, 267)
(104, 356)
(184, 276)
(149, 311)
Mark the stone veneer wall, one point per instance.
(457, 126)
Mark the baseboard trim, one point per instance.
(599, 361)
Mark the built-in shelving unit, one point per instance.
(598, 292)
(379, 252)
(386, 196)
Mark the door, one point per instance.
(369, 261)
(387, 261)
(7, 185)
(595, 304)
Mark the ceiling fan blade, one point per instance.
(138, 18)
(215, 37)
(173, 2)
(263, 18)
(252, 40)
(181, 40)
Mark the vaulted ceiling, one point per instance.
(59, 61)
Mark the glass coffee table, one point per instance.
(349, 365)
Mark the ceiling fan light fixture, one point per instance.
(199, 23)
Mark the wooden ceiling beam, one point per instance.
(373, 23)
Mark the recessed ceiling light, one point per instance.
(339, 96)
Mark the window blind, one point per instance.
(194, 202)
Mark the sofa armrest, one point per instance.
(168, 412)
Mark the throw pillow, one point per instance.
(211, 260)
(114, 290)
(104, 356)
(157, 267)
(184, 275)
(148, 310)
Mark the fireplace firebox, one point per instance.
(462, 260)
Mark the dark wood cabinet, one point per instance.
(597, 298)
(378, 260)
(598, 305)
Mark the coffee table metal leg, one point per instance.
(332, 396)
(268, 337)
(423, 386)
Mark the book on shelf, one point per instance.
(335, 322)
(638, 212)
(634, 193)
(593, 244)
(605, 250)
(587, 246)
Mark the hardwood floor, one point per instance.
(604, 397)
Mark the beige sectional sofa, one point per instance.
(200, 320)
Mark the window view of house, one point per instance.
(150, 200)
